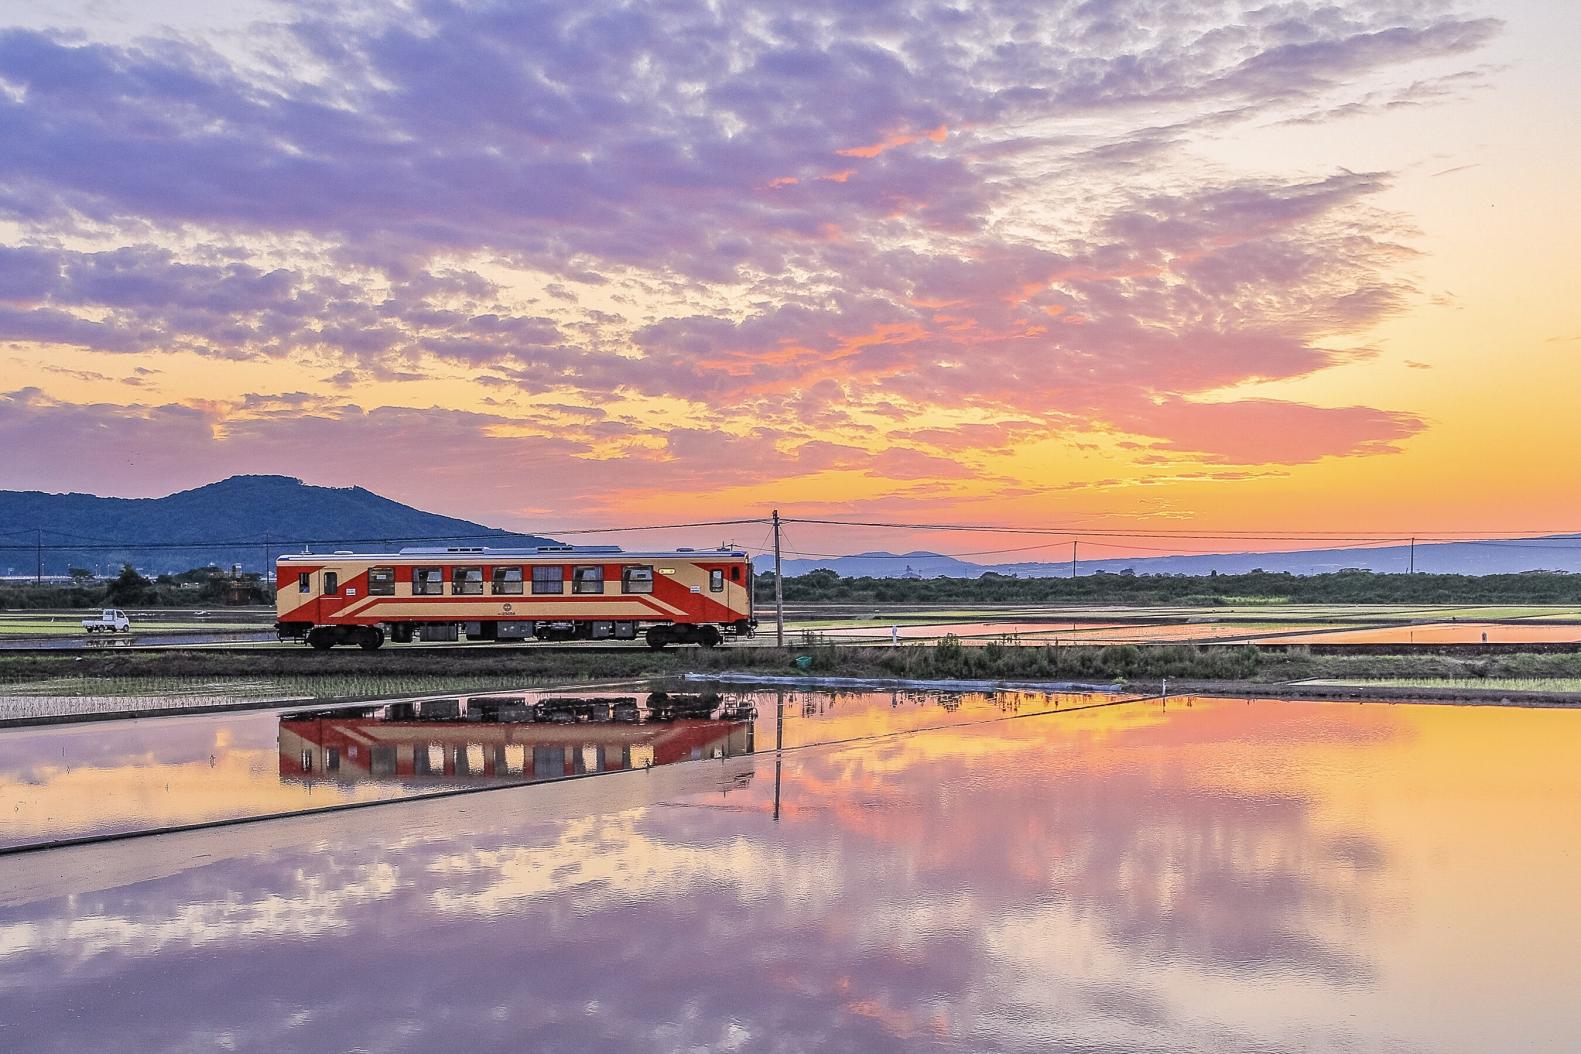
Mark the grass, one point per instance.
(346, 686)
(353, 673)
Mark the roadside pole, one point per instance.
(779, 587)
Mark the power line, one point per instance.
(1196, 533)
(653, 527)
(383, 539)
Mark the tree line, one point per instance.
(207, 586)
(212, 586)
(1254, 587)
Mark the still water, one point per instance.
(1206, 875)
(119, 777)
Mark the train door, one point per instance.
(328, 599)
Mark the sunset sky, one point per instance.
(1218, 265)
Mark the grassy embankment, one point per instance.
(461, 669)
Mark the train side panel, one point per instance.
(488, 593)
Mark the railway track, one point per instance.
(463, 653)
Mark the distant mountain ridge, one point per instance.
(280, 513)
(1501, 556)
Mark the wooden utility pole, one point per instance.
(38, 552)
(1073, 559)
(1413, 556)
(779, 587)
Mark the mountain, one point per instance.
(272, 514)
(917, 564)
(1502, 556)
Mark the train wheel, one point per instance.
(371, 638)
(657, 637)
(320, 639)
(708, 636)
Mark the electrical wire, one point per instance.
(1198, 533)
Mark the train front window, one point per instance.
(548, 579)
(636, 579)
(587, 580)
(428, 581)
(716, 580)
(381, 581)
(467, 581)
(507, 581)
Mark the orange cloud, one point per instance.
(936, 135)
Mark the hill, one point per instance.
(1496, 557)
(251, 514)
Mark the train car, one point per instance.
(685, 596)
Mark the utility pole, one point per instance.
(1073, 558)
(1413, 556)
(779, 587)
(268, 566)
(38, 552)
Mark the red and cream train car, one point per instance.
(687, 596)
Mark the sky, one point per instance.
(1113, 264)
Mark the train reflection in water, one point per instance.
(510, 739)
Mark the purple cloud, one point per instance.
(827, 189)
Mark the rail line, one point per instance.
(480, 651)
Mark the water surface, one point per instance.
(1210, 875)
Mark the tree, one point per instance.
(79, 575)
(128, 588)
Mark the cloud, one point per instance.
(1270, 431)
(806, 222)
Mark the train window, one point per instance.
(508, 581)
(548, 579)
(735, 574)
(467, 581)
(636, 579)
(304, 582)
(423, 760)
(331, 584)
(381, 581)
(428, 581)
(588, 579)
(383, 761)
(716, 580)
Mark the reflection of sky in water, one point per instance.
(1294, 632)
(1443, 633)
(1214, 876)
(119, 776)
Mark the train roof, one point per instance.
(485, 553)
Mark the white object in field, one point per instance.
(894, 636)
(110, 620)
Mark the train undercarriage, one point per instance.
(372, 637)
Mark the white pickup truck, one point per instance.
(110, 620)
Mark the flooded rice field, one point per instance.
(959, 873)
(117, 777)
(1441, 633)
(1204, 631)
